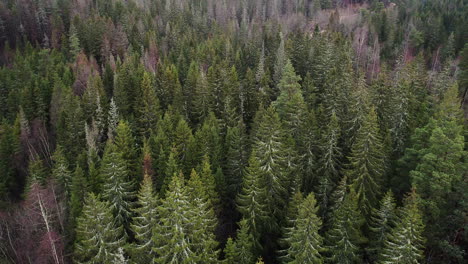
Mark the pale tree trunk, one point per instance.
(46, 221)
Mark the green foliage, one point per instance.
(144, 222)
(240, 250)
(382, 221)
(252, 201)
(148, 109)
(125, 146)
(271, 151)
(118, 189)
(61, 171)
(303, 238)
(236, 158)
(184, 231)
(367, 163)
(344, 238)
(405, 242)
(9, 147)
(329, 162)
(98, 238)
(78, 190)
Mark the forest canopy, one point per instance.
(222, 131)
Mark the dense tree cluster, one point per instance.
(207, 131)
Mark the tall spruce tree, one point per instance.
(304, 241)
(171, 235)
(367, 163)
(203, 219)
(144, 223)
(329, 163)
(344, 237)
(251, 201)
(126, 147)
(272, 152)
(98, 236)
(290, 103)
(61, 171)
(405, 243)
(241, 249)
(148, 109)
(236, 157)
(382, 220)
(118, 189)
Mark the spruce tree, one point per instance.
(9, 147)
(73, 42)
(304, 241)
(329, 163)
(272, 152)
(230, 252)
(281, 61)
(98, 237)
(203, 219)
(241, 249)
(171, 236)
(78, 189)
(112, 119)
(125, 146)
(201, 99)
(290, 103)
(148, 109)
(344, 237)
(382, 221)
(144, 222)
(367, 163)
(439, 155)
(405, 243)
(208, 179)
(251, 200)
(118, 189)
(236, 157)
(61, 172)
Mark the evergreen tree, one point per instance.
(201, 103)
(439, 156)
(290, 103)
(144, 222)
(405, 242)
(305, 243)
(112, 119)
(208, 140)
(9, 147)
(281, 61)
(249, 98)
(125, 146)
(98, 238)
(61, 172)
(203, 219)
(344, 237)
(367, 163)
(78, 190)
(148, 109)
(251, 200)
(329, 163)
(236, 157)
(118, 189)
(73, 42)
(230, 252)
(37, 171)
(272, 153)
(208, 179)
(382, 221)
(241, 250)
(171, 236)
